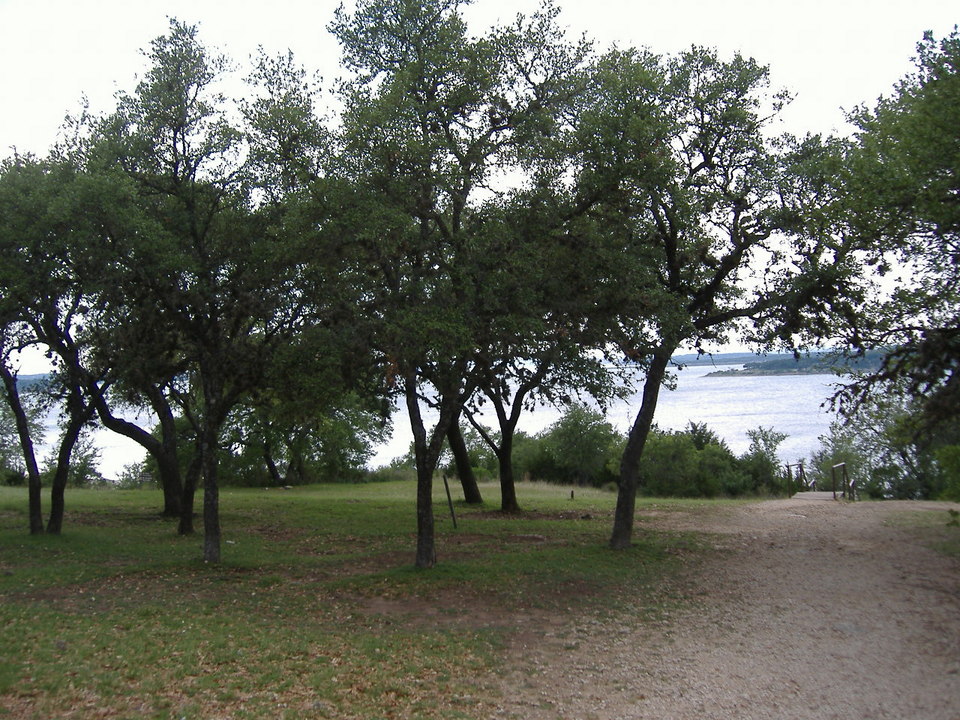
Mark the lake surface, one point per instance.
(729, 405)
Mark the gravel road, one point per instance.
(808, 609)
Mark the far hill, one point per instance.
(739, 358)
(29, 382)
(812, 364)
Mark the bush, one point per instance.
(13, 478)
(696, 463)
(690, 463)
(135, 476)
(948, 458)
(527, 455)
(577, 450)
(761, 463)
(84, 462)
(670, 466)
(890, 449)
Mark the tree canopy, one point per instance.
(900, 205)
(497, 219)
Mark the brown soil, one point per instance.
(807, 608)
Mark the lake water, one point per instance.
(792, 404)
(729, 405)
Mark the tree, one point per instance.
(544, 312)
(900, 182)
(12, 467)
(433, 117)
(577, 448)
(276, 443)
(889, 448)
(48, 298)
(677, 150)
(761, 462)
(462, 463)
(204, 274)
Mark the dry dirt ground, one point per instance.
(808, 609)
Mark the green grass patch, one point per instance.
(937, 525)
(316, 610)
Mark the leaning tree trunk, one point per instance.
(630, 462)
(164, 451)
(468, 481)
(426, 556)
(275, 477)
(168, 460)
(61, 474)
(26, 445)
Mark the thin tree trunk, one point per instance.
(26, 445)
(503, 450)
(426, 556)
(468, 481)
(189, 494)
(272, 468)
(630, 462)
(508, 428)
(61, 474)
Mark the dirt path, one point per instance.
(811, 609)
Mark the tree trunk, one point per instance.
(168, 461)
(26, 445)
(164, 451)
(168, 465)
(636, 440)
(508, 428)
(58, 486)
(211, 493)
(271, 464)
(468, 481)
(189, 493)
(426, 556)
(508, 487)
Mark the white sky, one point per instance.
(831, 54)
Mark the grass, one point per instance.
(316, 610)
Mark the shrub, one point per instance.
(670, 467)
(890, 449)
(696, 463)
(135, 476)
(577, 449)
(690, 463)
(761, 463)
(14, 478)
(948, 458)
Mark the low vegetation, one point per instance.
(315, 611)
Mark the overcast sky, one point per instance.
(831, 54)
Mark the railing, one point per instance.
(802, 483)
(848, 487)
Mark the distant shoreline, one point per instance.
(788, 364)
(758, 372)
